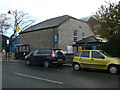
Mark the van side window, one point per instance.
(47, 52)
(96, 55)
(42, 51)
(35, 52)
(85, 54)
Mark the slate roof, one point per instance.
(90, 39)
(86, 18)
(50, 23)
(53, 22)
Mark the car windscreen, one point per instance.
(106, 54)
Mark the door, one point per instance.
(85, 59)
(98, 60)
(34, 57)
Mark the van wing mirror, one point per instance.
(31, 54)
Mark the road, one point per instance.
(17, 75)
(0, 71)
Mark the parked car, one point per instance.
(45, 57)
(96, 59)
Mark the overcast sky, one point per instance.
(45, 9)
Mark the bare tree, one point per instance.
(4, 22)
(21, 19)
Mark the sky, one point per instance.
(45, 9)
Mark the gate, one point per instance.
(21, 51)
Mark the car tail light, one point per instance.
(53, 54)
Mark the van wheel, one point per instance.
(27, 62)
(46, 64)
(113, 69)
(59, 65)
(76, 67)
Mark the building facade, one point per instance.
(59, 32)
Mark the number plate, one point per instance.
(60, 59)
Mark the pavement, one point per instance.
(22, 61)
(12, 60)
(68, 64)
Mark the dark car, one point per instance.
(45, 57)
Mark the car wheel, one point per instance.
(59, 65)
(113, 69)
(46, 64)
(76, 67)
(27, 62)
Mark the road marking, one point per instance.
(38, 78)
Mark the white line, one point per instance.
(39, 78)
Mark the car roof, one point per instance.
(90, 50)
(48, 49)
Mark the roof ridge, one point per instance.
(49, 23)
(51, 19)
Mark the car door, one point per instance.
(41, 56)
(98, 60)
(33, 57)
(85, 59)
(77, 57)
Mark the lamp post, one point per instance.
(7, 49)
(15, 15)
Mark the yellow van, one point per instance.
(96, 59)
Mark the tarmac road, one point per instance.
(17, 75)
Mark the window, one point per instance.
(41, 51)
(75, 39)
(96, 55)
(77, 54)
(75, 35)
(85, 53)
(35, 52)
(83, 35)
(80, 27)
(47, 51)
(96, 27)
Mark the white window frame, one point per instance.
(75, 36)
(84, 34)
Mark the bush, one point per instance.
(112, 47)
